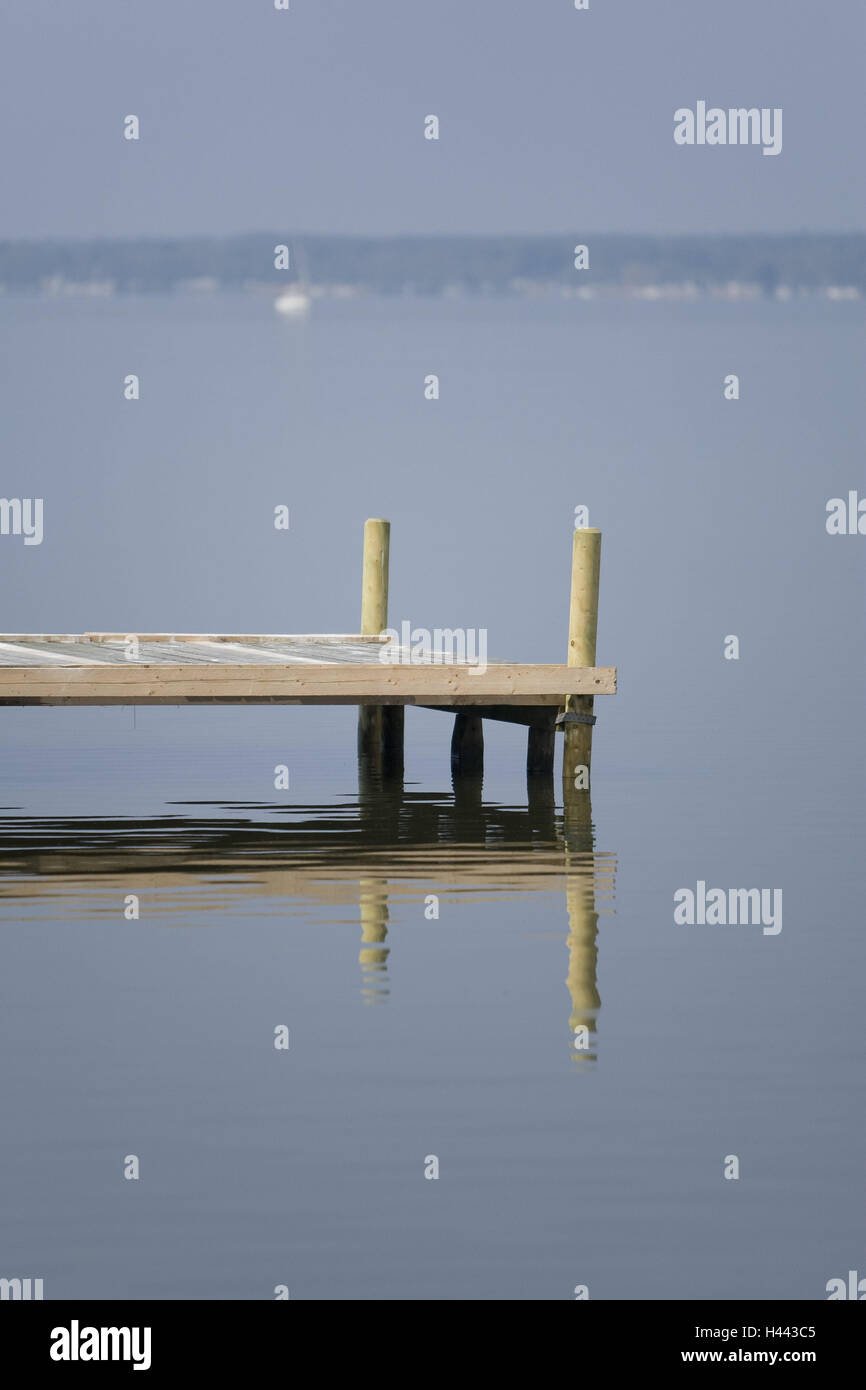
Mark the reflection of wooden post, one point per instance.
(380, 727)
(580, 871)
(467, 746)
(582, 958)
(582, 630)
(374, 930)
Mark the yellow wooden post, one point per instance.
(582, 631)
(380, 727)
(374, 582)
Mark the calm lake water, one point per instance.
(410, 1035)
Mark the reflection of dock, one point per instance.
(388, 849)
(318, 853)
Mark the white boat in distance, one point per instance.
(292, 301)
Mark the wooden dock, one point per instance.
(104, 668)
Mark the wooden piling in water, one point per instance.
(540, 748)
(578, 717)
(380, 727)
(467, 746)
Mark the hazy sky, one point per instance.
(552, 119)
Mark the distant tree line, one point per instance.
(429, 265)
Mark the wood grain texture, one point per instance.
(341, 683)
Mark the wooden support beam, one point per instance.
(540, 748)
(380, 740)
(467, 746)
(539, 715)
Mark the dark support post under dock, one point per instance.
(380, 727)
(467, 746)
(578, 718)
(540, 749)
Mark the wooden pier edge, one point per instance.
(519, 693)
(335, 669)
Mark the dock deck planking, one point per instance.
(317, 669)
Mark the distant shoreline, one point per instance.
(734, 292)
(773, 266)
